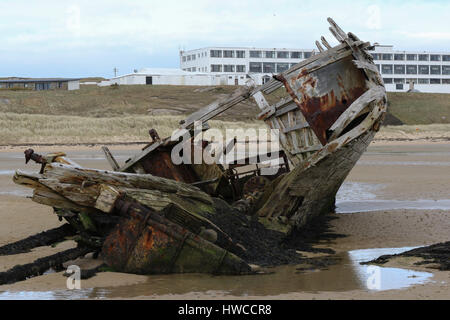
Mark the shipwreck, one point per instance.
(150, 215)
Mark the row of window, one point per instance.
(418, 81)
(227, 53)
(36, 86)
(413, 69)
(255, 67)
(410, 57)
(280, 54)
(269, 67)
(228, 68)
(252, 53)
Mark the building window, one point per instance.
(387, 56)
(256, 67)
(228, 68)
(411, 57)
(399, 86)
(435, 69)
(445, 69)
(216, 53)
(42, 86)
(411, 69)
(445, 81)
(240, 68)
(446, 57)
(409, 80)
(378, 67)
(435, 57)
(282, 54)
(399, 56)
(387, 80)
(193, 57)
(184, 58)
(228, 53)
(270, 54)
(424, 81)
(269, 67)
(423, 57)
(424, 69)
(240, 54)
(255, 54)
(399, 69)
(194, 69)
(435, 81)
(386, 68)
(399, 80)
(296, 55)
(188, 58)
(216, 68)
(307, 54)
(376, 56)
(282, 67)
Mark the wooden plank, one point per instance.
(308, 149)
(373, 94)
(319, 46)
(217, 107)
(365, 65)
(325, 42)
(112, 162)
(261, 100)
(296, 127)
(107, 198)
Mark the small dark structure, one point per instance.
(39, 84)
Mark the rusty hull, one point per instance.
(145, 242)
(322, 102)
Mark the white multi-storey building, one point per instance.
(427, 71)
(401, 70)
(237, 63)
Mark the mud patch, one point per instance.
(270, 248)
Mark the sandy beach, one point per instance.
(409, 174)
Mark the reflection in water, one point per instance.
(381, 205)
(403, 163)
(347, 275)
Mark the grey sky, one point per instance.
(90, 38)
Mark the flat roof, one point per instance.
(39, 80)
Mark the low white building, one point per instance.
(161, 76)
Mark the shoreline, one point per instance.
(139, 144)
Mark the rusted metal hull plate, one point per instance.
(147, 243)
(324, 94)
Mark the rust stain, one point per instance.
(320, 111)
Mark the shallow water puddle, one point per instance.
(360, 197)
(347, 275)
(385, 205)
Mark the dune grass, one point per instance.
(420, 108)
(27, 129)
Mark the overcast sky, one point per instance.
(90, 37)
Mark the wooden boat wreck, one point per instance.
(150, 215)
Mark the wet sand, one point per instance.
(388, 171)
